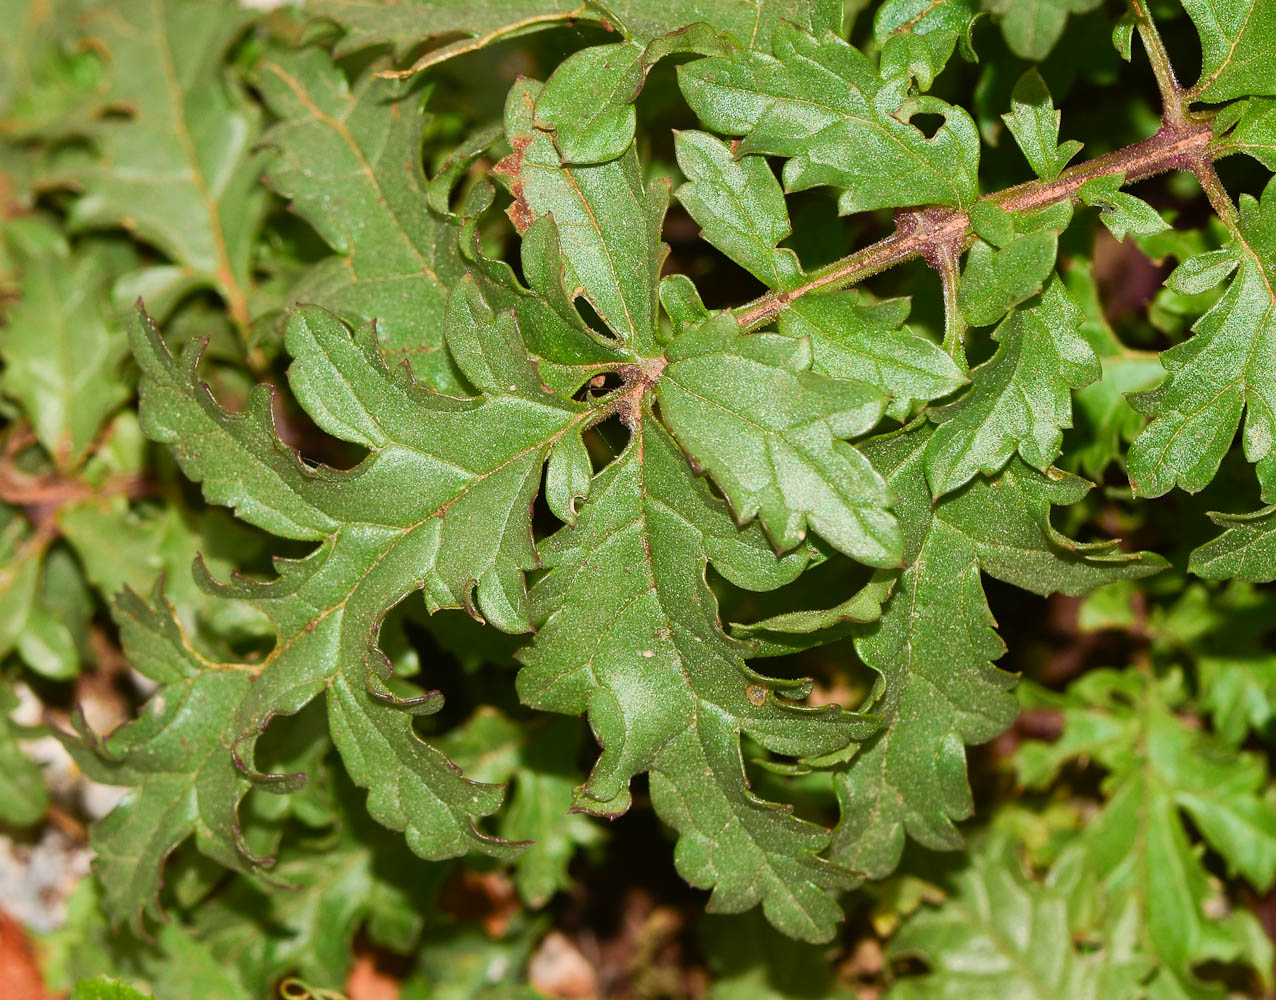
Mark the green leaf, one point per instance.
(1160, 769)
(739, 207)
(178, 169)
(174, 757)
(607, 223)
(821, 104)
(770, 432)
(64, 347)
(1224, 369)
(934, 644)
(106, 988)
(1021, 398)
(795, 631)
(1223, 631)
(121, 546)
(1033, 27)
(1123, 35)
(540, 762)
(23, 797)
(1254, 132)
(188, 967)
(1121, 212)
(853, 339)
(750, 961)
(339, 156)
(1246, 550)
(1236, 42)
(1024, 933)
(451, 517)
(22, 560)
(1105, 421)
(1202, 272)
(48, 85)
(997, 280)
(328, 887)
(919, 35)
(633, 638)
(588, 102)
(483, 22)
(1034, 123)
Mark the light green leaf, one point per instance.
(1121, 212)
(21, 559)
(1034, 123)
(739, 207)
(23, 797)
(1246, 550)
(1237, 37)
(821, 104)
(1021, 398)
(48, 85)
(608, 223)
(540, 762)
(1001, 933)
(771, 433)
(187, 967)
(1161, 769)
(1224, 369)
(122, 545)
(852, 339)
(1105, 420)
(326, 890)
(106, 988)
(1223, 630)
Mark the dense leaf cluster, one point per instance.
(659, 339)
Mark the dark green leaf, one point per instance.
(633, 638)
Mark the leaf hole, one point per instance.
(927, 123)
(592, 318)
(599, 385)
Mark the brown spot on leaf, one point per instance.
(511, 167)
